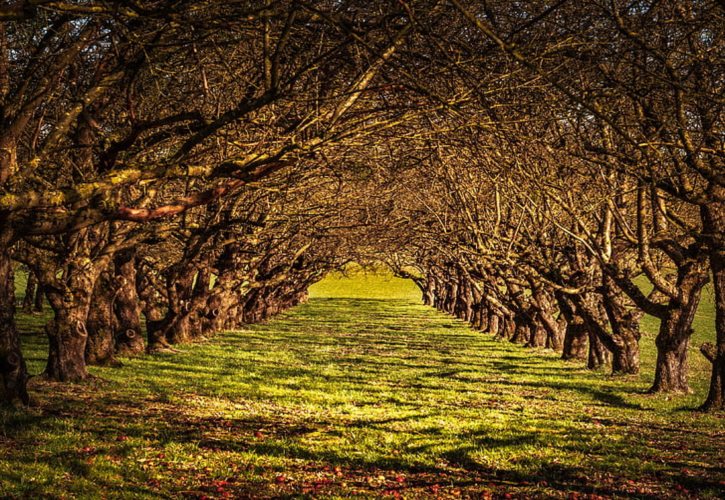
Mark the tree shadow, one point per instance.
(159, 422)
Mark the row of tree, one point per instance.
(173, 159)
(197, 164)
(590, 193)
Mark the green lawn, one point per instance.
(361, 392)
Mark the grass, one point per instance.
(354, 395)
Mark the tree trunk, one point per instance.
(521, 330)
(484, 321)
(545, 315)
(429, 292)
(215, 315)
(155, 327)
(39, 298)
(479, 317)
(624, 320)
(673, 339)
(714, 227)
(451, 297)
(180, 329)
(179, 324)
(598, 354)
(100, 325)
(575, 335)
(29, 297)
(203, 281)
(537, 335)
(153, 306)
(67, 343)
(494, 324)
(219, 304)
(590, 306)
(463, 305)
(508, 328)
(67, 332)
(127, 307)
(575, 341)
(625, 358)
(13, 372)
(671, 369)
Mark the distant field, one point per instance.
(357, 283)
(354, 396)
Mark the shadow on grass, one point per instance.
(160, 424)
(311, 351)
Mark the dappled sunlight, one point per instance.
(359, 396)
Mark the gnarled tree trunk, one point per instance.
(714, 228)
(100, 325)
(13, 372)
(494, 323)
(624, 321)
(545, 315)
(67, 334)
(598, 354)
(31, 286)
(521, 332)
(39, 298)
(576, 337)
(537, 335)
(673, 339)
(127, 307)
(153, 306)
(429, 291)
(589, 306)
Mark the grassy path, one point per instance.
(356, 396)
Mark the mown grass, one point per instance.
(354, 395)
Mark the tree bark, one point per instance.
(494, 324)
(179, 329)
(714, 227)
(13, 372)
(598, 354)
(451, 297)
(545, 315)
(70, 297)
(508, 327)
(155, 327)
(153, 307)
(625, 358)
(429, 292)
(484, 321)
(576, 336)
(576, 341)
(30, 286)
(624, 321)
(673, 339)
(39, 298)
(67, 334)
(521, 330)
(100, 325)
(127, 307)
(537, 335)
(179, 324)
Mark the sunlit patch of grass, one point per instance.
(356, 282)
(352, 396)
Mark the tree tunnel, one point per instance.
(549, 173)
